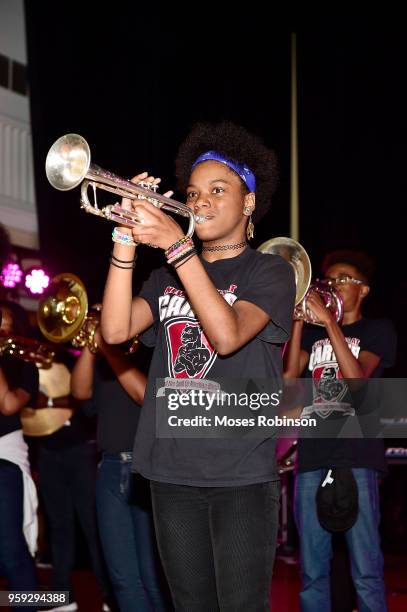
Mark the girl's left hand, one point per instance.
(318, 308)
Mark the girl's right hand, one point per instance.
(127, 203)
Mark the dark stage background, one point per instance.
(134, 79)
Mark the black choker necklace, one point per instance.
(225, 247)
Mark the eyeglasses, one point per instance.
(342, 279)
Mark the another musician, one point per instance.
(18, 499)
(359, 348)
(114, 384)
(67, 462)
(224, 314)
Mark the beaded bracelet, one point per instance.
(181, 249)
(180, 254)
(178, 248)
(122, 238)
(177, 244)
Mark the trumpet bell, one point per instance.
(67, 162)
(293, 252)
(63, 308)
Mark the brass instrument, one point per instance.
(332, 300)
(41, 421)
(38, 422)
(86, 335)
(63, 314)
(68, 164)
(52, 410)
(27, 349)
(293, 252)
(54, 382)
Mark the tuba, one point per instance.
(68, 164)
(293, 252)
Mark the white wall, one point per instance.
(17, 198)
(12, 33)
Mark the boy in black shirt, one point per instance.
(358, 349)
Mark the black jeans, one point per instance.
(16, 563)
(67, 486)
(217, 544)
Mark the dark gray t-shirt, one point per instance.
(374, 335)
(117, 413)
(264, 280)
(19, 375)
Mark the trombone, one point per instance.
(27, 349)
(68, 164)
(293, 252)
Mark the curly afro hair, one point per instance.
(238, 144)
(358, 259)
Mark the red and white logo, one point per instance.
(190, 355)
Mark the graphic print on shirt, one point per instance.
(190, 354)
(329, 388)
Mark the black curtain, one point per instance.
(135, 78)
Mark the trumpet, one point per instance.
(293, 252)
(331, 299)
(68, 164)
(27, 349)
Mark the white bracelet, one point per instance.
(122, 238)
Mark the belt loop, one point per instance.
(126, 456)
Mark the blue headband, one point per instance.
(242, 170)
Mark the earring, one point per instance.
(250, 229)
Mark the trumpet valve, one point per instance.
(149, 186)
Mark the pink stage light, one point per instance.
(11, 275)
(37, 281)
